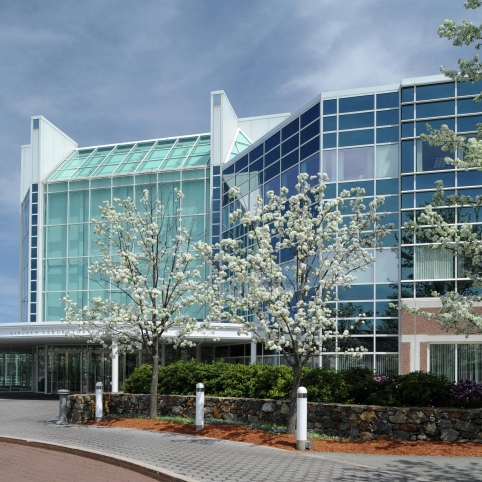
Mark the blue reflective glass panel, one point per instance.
(356, 138)
(355, 121)
(385, 101)
(272, 171)
(34, 187)
(229, 170)
(255, 153)
(436, 124)
(436, 109)
(329, 107)
(407, 201)
(408, 94)
(427, 181)
(329, 140)
(290, 160)
(256, 167)
(437, 91)
(388, 134)
(408, 112)
(273, 141)
(310, 148)
(290, 129)
(408, 129)
(271, 156)
(352, 104)
(391, 203)
(468, 106)
(468, 88)
(407, 183)
(469, 178)
(329, 123)
(465, 124)
(366, 185)
(330, 191)
(311, 166)
(311, 131)
(359, 292)
(387, 117)
(289, 180)
(387, 186)
(290, 144)
(407, 156)
(241, 164)
(310, 115)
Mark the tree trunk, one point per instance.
(155, 379)
(291, 422)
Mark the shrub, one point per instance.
(355, 385)
(140, 380)
(468, 393)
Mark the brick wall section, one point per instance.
(405, 358)
(346, 421)
(424, 356)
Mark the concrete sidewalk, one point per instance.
(216, 460)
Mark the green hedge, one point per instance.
(356, 385)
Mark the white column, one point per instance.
(301, 418)
(115, 369)
(253, 352)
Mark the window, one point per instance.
(408, 94)
(467, 106)
(329, 123)
(387, 117)
(434, 263)
(329, 107)
(355, 164)
(437, 91)
(356, 138)
(431, 158)
(387, 134)
(385, 101)
(456, 361)
(465, 124)
(329, 164)
(436, 109)
(353, 104)
(387, 160)
(355, 121)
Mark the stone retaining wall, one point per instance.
(348, 421)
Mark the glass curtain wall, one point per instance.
(425, 270)
(355, 141)
(69, 235)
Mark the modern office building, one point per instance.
(365, 138)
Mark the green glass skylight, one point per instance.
(240, 144)
(161, 154)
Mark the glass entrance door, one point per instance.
(99, 369)
(66, 371)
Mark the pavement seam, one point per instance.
(157, 473)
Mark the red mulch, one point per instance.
(241, 433)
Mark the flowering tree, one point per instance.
(459, 312)
(155, 281)
(286, 306)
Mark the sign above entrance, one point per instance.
(48, 330)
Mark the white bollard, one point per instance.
(199, 406)
(301, 418)
(99, 405)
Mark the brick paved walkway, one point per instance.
(205, 459)
(19, 462)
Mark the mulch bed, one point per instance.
(241, 433)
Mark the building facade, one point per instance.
(367, 138)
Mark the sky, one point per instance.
(117, 71)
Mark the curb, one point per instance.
(156, 473)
